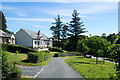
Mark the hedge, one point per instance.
(55, 49)
(67, 54)
(13, 48)
(38, 56)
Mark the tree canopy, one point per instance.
(75, 26)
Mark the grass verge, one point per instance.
(88, 69)
(19, 59)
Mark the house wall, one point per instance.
(36, 43)
(12, 39)
(39, 43)
(50, 43)
(23, 39)
(6, 40)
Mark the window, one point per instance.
(38, 43)
(35, 42)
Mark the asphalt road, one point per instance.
(30, 71)
(57, 68)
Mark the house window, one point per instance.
(38, 43)
(35, 42)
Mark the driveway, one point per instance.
(56, 68)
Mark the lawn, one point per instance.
(20, 60)
(88, 69)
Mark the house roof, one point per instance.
(34, 34)
(4, 34)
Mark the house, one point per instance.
(7, 38)
(32, 39)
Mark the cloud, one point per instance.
(16, 11)
(21, 14)
(39, 26)
(7, 8)
(61, 12)
(83, 9)
(30, 19)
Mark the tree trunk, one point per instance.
(96, 60)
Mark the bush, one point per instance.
(13, 48)
(56, 55)
(56, 49)
(38, 56)
(15, 72)
(68, 54)
(9, 71)
(81, 46)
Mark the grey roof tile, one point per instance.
(34, 34)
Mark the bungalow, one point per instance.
(32, 39)
(7, 38)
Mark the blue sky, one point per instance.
(98, 17)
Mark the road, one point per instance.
(57, 68)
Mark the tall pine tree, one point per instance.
(75, 26)
(64, 32)
(3, 25)
(75, 29)
(3, 21)
(57, 30)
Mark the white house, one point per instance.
(32, 39)
(7, 38)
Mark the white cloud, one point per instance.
(82, 9)
(21, 14)
(39, 26)
(7, 8)
(30, 19)
(16, 11)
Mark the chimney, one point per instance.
(39, 32)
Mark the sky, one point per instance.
(98, 17)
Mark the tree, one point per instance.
(103, 35)
(57, 29)
(98, 46)
(3, 23)
(4, 26)
(75, 26)
(111, 37)
(116, 53)
(81, 46)
(64, 32)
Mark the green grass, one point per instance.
(88, 69)
(18, 58)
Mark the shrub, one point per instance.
(97, 43)
(68, 54)
(13, 48)
(38, 56)
(81, 47)
(15, 72)
(56, 55)
(9, 71)
(56, 49)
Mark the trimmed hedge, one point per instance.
(13, 48)
(55, 49)
(38, 56)
(67, 54)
